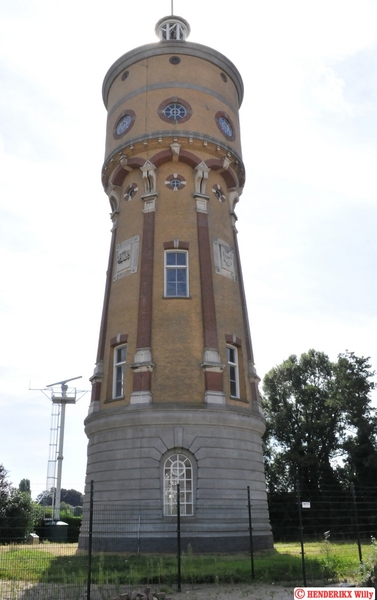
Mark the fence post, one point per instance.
(250, 533)
(90, 541)
(301, 534)
(179, 536)
(357, 521)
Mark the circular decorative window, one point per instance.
(218, 193)
(174, 60)
(223, 77)
(225, 125)
(175, 182)
(130, 191)
(125, 74)
(174, 110)
(124, 123)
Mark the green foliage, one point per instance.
(367, 575)
(25, 486)
(16, 521)
(5, 486)
(16, 511)
(322, 434)
(70, 497)
(74, 524)
(318, 412)
(65, 510)
(330, 563)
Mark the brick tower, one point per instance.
(175, 392)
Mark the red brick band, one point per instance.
(96, 392)
(249, 347)
(206, 283)
(213, 381)
(144, 325)
(105, 310)
(142, 381)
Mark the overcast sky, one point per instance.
(307, 217)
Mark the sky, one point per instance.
(306, 220)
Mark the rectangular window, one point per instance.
(232, 358)
(119, 371)
(176, 274)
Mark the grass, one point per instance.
(65, 564)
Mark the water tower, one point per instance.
(174, 390)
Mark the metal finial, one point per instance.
(172, 8)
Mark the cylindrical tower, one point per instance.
(175, 392)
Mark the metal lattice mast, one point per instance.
(55, 462)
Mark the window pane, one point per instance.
(181, 274)
(121, 354)
(119, 375)
(181, 258)
(171, 258)
(230, 352)
(170, 289)
(171, 275)
(181, 289)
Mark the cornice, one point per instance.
(198, 143)
(176, 48)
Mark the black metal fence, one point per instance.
(347, 513)
(44, 569)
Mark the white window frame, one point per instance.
(178, 468)
(119, 367)
(175, 267)
(233, 371)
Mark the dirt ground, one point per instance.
(258, 591)
(254, 591)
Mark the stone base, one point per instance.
(127, 451)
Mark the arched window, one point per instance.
(178, 469)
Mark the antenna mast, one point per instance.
(55, 462)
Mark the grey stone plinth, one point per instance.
(126, 453)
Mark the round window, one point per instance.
(124, 123)
(175, 182)
(225, 125)
(174, 110)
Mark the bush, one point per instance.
(16, 517)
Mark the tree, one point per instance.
(321, 433)
(355, 375)
(5, 485)
(25, 486)
(16, 511)
(44, 498)
(72, 497)
(319, 414)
